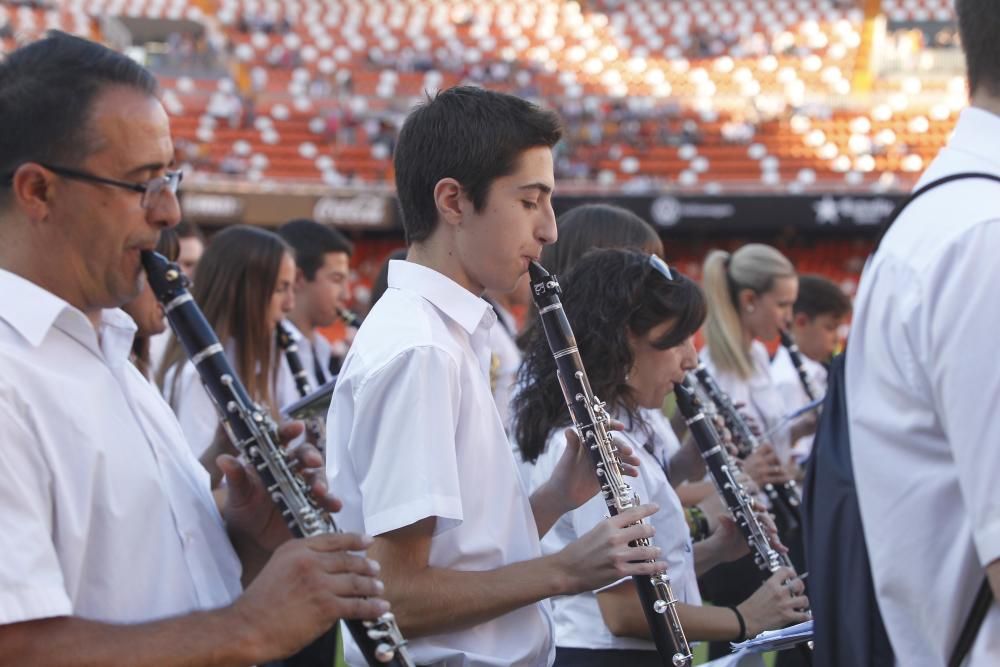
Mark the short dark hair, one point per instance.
(820, 296)
(979, 25)
(472, 135)
(312, 241)
(186, 229)
(47, 93)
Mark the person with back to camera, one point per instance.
(922, 390)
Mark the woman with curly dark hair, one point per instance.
(634, 320)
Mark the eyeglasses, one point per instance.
(654, 263)
(150, 190)
(661, 267)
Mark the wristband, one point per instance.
(743, 625)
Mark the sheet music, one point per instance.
(775, 640)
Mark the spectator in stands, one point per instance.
(114, 550)
(233, 165)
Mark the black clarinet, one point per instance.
(287, 343)
(796, 357)
(784, 498)
(592, 425)
(723, 473)
(349, 317)
(737, 500)
(255, 436)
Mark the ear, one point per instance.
(448, 196)
(747, 300)
(300, 279)
(31, 190)
(800, 320)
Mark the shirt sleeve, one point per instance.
(31, 578)
(402, 443)
(957, 326)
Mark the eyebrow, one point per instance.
(547, 189)
(152, 166)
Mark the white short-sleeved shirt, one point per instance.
(104, 513)
(759, 394)
(794, 395)
(413, 433)
(923, 391)
(309, 351)
(195, 410)
(578, 617)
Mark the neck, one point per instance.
(439, 254)
(747, 339)
(986, 101)
(499, 299)
(302, 323)
(21, 258)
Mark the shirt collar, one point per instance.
(976, 132)
(33, 311)
(29, 309)
(458, 303)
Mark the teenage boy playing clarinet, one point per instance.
(415, 446)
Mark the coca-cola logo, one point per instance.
(360, 210)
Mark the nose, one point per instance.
(546, 232)
(689, 355)
(165, 211)
(288, 303)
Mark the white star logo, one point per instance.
(826, 211)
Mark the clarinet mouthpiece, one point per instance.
(537, 272)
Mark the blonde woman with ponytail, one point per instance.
(750, 295)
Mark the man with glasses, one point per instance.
(114, 551)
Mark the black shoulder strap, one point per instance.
(921, 190)
(984, 596)
(980, 606)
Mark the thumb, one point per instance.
(572, 439)
(239, 482)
